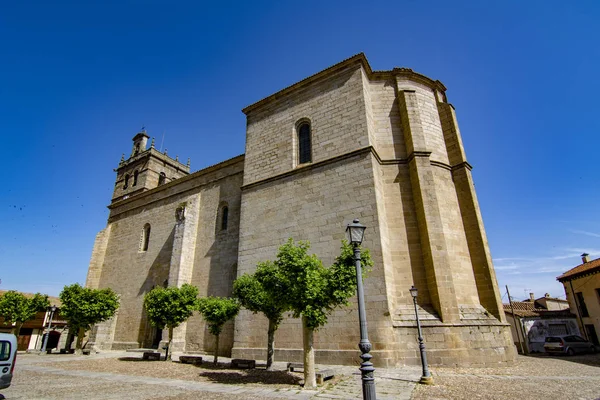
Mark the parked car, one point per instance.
(8, 356)
(568, 344)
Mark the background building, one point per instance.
(346, 142)
(31, 335)
(532, 320)
(582, 287)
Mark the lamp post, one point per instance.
(426, 379)
(355, 232)
(52, 311)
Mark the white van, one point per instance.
(8, 356)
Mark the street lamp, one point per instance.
(426, 379)
(355, 232)
(52, 311)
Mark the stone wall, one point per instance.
(336, 112)
(423, 227)
(386, 148)
(315, 204)
(179, 251)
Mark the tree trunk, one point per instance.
(168, 355)
(270, 345)
(310, 378)
(17, 328)
(78, 347)
(69, 340)
(216, 350)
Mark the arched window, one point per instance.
(224, 217)
(135, 177)
(304, 143)
(162, 178)
(126, 181)
(145, 239)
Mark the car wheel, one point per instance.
(570, 352)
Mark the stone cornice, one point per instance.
(308, 167)
(463, 164)
(364, 150)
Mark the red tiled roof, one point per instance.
(520, 305)
(582, 269)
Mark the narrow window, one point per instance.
(304, 145)
(224, 218)
(126, 181)
(145, 238)
(582, 306)
(135, 176)
(162, 178)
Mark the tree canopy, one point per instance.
(251, 293)
(16, 308)
(300, 282)
(83, 307)
(169, 307)
(216, 311)
(254, 296)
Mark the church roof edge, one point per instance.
(359, 58)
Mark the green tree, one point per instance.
(311, 291)
(169, 307)
(83, 307)
(16, 308)
(253, 295)
(216, 311)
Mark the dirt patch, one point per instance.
(221, 373)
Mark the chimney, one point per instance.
(531, 297)
(585, 257)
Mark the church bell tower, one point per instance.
(145, 169)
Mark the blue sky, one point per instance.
(78, 80)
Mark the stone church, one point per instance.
(345, 143)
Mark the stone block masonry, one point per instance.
(384, 147)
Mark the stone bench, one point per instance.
(243, 364)
(323, 375)
(151, 355)
(196, 360)
(295, 367)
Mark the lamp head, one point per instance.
(355, 232)
(53, 308)
(413, 291)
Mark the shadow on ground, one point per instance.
(134, 359)
(252, 376)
